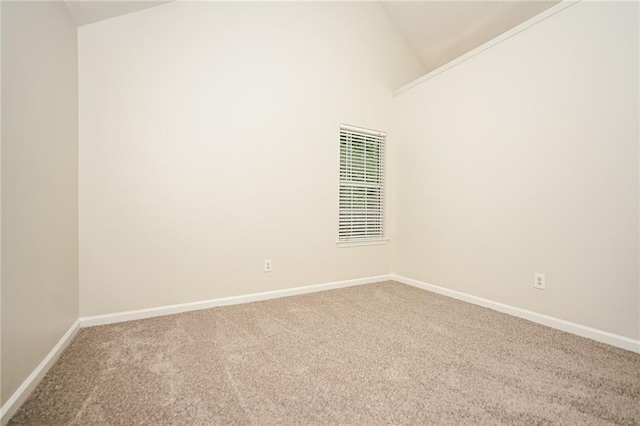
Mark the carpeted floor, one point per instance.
(372, 354)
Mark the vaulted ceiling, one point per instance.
(89, 11)
(437, 31)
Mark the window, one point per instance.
(361, 185)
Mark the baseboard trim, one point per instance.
(559, 324)
(91, 321)
(25, 389)
(21, 394)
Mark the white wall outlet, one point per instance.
(267, 266)
(538, 281)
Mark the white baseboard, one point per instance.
(25, 389)
(21, 394)
(225, 301)
(567, 326)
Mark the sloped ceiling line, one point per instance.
(437, 31)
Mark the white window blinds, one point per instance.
(361, 184)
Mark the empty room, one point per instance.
(320, 212)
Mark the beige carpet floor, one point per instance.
(373, 354)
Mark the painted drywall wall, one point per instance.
(1, 400)
(209, 143)
(39, 184)
(524, 159)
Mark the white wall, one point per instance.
(39, 184)
(524, 159)
(209, 142)
(1, 206)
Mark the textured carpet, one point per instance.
(372, 354)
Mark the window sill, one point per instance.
(362, 243)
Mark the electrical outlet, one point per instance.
(267, 266)
(539, 281)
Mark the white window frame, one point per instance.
(358, 176)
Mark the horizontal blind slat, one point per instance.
(361, 183)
